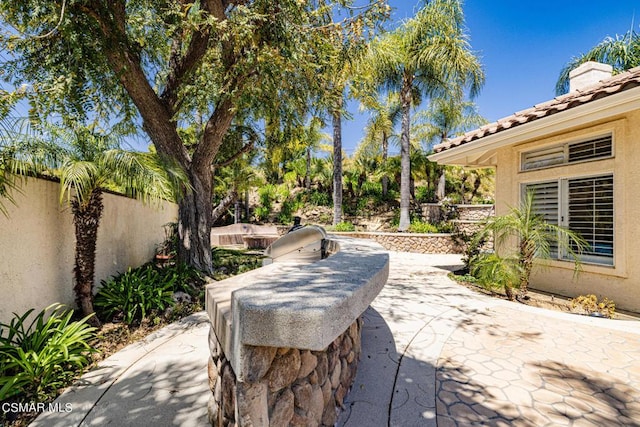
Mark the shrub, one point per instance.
(495, 272)
(589, 304)
(261, 213)
(422, 227)
(38, 359)
(286, 212)
(267, 195)
(134, 294)
(473, 244)
(228, 262)
(425, 195)
(318, 198)
(183, 277)
(344, 226)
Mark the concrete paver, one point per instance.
(159, 381)
(462, 359)
(434, 354)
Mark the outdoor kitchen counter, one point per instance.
(295, 305)
(285, 339)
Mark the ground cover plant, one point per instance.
(41, 354)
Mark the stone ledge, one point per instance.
(297, 306)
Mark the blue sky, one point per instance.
(523, 46)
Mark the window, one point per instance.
(583, 205)
(596, 148)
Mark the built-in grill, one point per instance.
(304, 244)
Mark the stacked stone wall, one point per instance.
(413, 242)
(284, 386)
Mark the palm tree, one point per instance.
(380, 128)
(445, 118)
(622, 52)
(430, 55)
(87, 163)
(535, 238)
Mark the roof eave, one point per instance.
(482, 152)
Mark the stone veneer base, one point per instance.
(288, 386)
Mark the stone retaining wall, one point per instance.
(435, 212)
(412, 242)
(287, 386)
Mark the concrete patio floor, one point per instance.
(434, 353)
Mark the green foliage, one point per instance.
(228, 262)
(495, 272)
(422, 227)
(344, 226)
(318, 198)
(622, 52)
(169, 246)
(261, 213)
(43, 356)
(286, 212)
(589, 304)
(533, 236)
(425, 195)
(473, 245)
(131, 296)
(267, 195)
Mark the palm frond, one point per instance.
(79, 179)
(144, 176)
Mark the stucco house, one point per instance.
(580, 154)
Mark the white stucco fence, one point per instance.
(37, 244)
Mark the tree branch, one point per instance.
(246, 148)
(224, 204)
(182, 64)
(126, 65)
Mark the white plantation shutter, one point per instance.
(543, 158)
(595, 148)
(583, 205)
(591, 149)
(546, 203)
(590, 213)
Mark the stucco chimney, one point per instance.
(588, 74)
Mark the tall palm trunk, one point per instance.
(405, 159)
(307, 172)
(385, 155)
(527, 254)
(337, 164)
(86, 219)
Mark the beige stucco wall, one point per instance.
(37, 245)
(622, 281)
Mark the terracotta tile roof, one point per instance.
(616, 84)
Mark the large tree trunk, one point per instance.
(405, 155)
(194, 226)
(442, 182)
(86, 220)
(337, 164)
